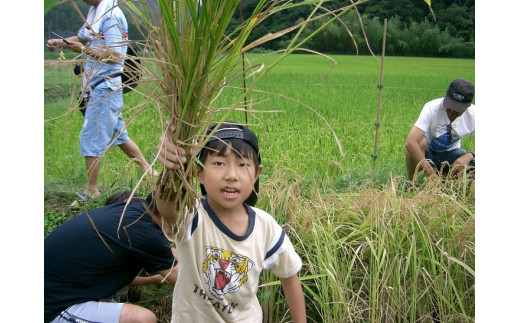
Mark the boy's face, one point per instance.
(228, 180)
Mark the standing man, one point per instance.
(93, 255)
(437, 134)
(105, 34)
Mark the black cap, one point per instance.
(231, 130)
(459, 95)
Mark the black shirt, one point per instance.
(84, 265)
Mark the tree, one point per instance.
(411, 29)
(458, 22)
(430, 38)
(64, 20)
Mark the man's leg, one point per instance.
(92, 164)
(91, 191)
(131, 149)
(106, 312)
(95, 136)
(136, 314)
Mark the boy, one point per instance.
(228, 242)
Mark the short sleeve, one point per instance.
(284, 262)
(424, 120)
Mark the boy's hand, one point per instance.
(170, 155)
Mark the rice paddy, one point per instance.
(374, 249)
(305, 91)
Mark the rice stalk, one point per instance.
(383, 255)
(192, 59)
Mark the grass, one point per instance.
(346, 97)
(379, 254)
(374, 248)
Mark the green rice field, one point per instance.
(374, 247)
(314, 98)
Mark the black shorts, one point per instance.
(438, 158)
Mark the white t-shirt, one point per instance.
(219, 271)
(435, 123)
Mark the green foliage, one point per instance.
(458, 22)
(63, 19)
(52, 220)
(54, 212)
(455, 22)
(47, 5)
(346, 96)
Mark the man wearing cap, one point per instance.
(437, 134)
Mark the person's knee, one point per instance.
(133, 313)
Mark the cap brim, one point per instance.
(455, 105)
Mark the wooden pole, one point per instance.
(380, 86)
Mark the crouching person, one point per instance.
(93, 255)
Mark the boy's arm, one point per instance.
(292, 289)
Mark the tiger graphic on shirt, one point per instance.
(225, 271)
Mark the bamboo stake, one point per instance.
(380, 86)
